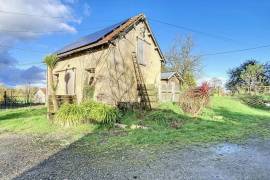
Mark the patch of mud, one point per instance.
(226, 148)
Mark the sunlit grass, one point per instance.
(226, 119)
(33, 121)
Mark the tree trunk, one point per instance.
(52, 90)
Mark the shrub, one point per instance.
(100, 113)
(88, 93)
(194, 100)
(90, 111)
(163, 117)
(157, 116)
(69, 114)
(257, 101)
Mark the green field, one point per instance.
(226, 119)
(33, 121)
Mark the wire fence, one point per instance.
(10, 101)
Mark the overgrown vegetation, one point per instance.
(227, 119)
(193, 101)
(99, 112)
(89, 111)
(69, 115)
(88, 93)
(256, 101)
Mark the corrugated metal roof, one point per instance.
(167, 75)
(91, 38)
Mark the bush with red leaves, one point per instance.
(204, 89)
(194, 100)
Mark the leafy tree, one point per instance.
(181, 59)
(188, 81)
(240, 77)
(235, 81)
(252, 76)
(51, 61)
(267, 73)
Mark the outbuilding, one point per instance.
(170, 86)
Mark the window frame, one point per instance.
(142, 47)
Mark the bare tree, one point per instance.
(27, 92)
(181, 59)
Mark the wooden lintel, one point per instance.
(64, 69)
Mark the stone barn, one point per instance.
(120, 64)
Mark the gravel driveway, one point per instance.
(23, 158)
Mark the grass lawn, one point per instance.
(225, 119)
(33, 121)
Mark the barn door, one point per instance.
(70, 81)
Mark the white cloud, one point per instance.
(34, 16)
(19, 21)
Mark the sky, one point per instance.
(31, 29)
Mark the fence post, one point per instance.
(5, 99)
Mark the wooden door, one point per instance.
(70, 81)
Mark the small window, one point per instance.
(91, 76)
(91, 70)
(91, 81)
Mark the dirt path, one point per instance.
(24, 160)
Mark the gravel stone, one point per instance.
(25, 157)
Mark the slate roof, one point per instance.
(168, 75)
(103, 36)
